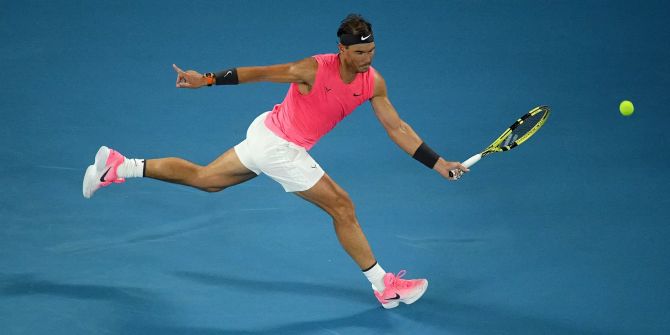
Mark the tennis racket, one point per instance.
(516, 134)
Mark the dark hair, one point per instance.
(354, 24)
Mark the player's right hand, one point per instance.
(444, 168)
(189, 79)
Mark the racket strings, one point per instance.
(522, 129)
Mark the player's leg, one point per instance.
(330, 197)
(235, 166)
(390, 289)
(112, 167)
(225, 171)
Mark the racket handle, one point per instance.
(472, 160)
(468, 163)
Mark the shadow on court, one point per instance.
(430, 313)
(461, 319)
(29, 284)
(292, 288)
(464, 318)
(370, 320)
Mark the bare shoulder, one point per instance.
(307, 63)
(305, 69)
(380, 85)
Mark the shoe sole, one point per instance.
(412, 300)
(93, 173)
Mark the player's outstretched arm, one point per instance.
(302, 71)
(402, 134)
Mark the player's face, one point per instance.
(359, 56)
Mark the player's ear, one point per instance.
(341, 47)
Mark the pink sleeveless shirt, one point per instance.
(304, 118)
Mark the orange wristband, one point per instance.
(209, 77)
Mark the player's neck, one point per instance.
(347, 74)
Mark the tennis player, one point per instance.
(323, 90)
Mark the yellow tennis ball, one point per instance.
(626, 108)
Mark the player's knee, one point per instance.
(212, 189)
(343, 208)
(209, 186)
(203, 180)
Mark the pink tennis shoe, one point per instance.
(400, 290)
(103, 172)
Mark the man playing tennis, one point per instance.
(323, 90)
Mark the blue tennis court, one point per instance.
(568, 234)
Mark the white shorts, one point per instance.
(287, 163)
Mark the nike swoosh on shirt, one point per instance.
(357, 95)
(365, 38)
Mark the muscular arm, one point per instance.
(302, 72)
(399, 131)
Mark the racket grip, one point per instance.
(472, 160)
(468, 163)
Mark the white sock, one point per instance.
(131, 168)
(375, 275)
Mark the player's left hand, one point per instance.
(189, 79)
(444, 168)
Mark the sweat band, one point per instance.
(350, 39)
(426, 155)
(209, 78)
(226, 77)
(371, 266)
